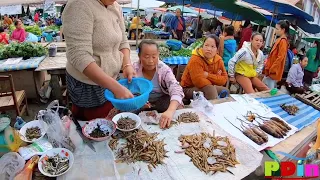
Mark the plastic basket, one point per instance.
(174, 44)
(138, 85)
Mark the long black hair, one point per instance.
(318, 50)
(284, 24)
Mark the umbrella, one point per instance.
(183, 9)
(282, 7)
(311, 39)
(239, 9)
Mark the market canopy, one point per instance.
(282, 7)
(184, 9)
(311, 39)
(16, 2)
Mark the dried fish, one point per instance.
(98, 132)
(290, 109)
(266, 128)
(113, 144)
(33, 133)
(260, 133)
(126, 123)
(55, 165)
(212, 159)
(142, 146)
(188, 117)
(281, 122)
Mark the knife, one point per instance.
(85, 139)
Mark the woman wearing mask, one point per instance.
(313, 55)
(97, 49)
(247, 64)
(275, 64)
(205, 72)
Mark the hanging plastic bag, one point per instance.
(10, 165)
(57, 133)
(200, 103)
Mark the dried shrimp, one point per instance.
(290, 109)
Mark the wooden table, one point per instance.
(56, 67)
(61, 46)
(292, 145)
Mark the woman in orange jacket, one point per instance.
(277, 59)
(205, 72)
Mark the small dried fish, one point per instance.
(55, 165)
(113, 144)
(126, 123)
(188, 117)
(33, 133)
(98, 133)
(212, 159)
(142, 146)
(290, 109)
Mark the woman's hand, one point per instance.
(129, 73)
(122, 93)
(166, 118)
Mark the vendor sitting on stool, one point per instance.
(167, 94)
(295, 77)
(205, 72)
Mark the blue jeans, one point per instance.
(270, 82)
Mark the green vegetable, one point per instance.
(147, 28)
(164, 52)
(34, 30)
(198, 43)
(25, 50)
(183, 52)
(53, 28)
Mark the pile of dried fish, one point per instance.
(33, 133)
(142, 146)
(126, 123)
(208, 153)
(275, 127)
(188, 117)
(290, 109)
(253, 132)
(55, 165)
(98, 133)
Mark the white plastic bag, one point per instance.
(200, 103)
(10, 165)
(57, 133)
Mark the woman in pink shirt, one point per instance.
(19, 34)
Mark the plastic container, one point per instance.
(53, 50)
(105, 125)
(174, 45)
(273, 92)
(9, 138)
(138, 85)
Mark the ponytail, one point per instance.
(284, 24)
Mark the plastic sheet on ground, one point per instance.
(232, 110)
(179, 167)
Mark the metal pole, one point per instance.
(196, 31)
(137, 30)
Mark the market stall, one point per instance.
(20, 60)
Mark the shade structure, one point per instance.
(282, 7)
(311, 39)
(16, 2)
(240, 9)
(183, 8)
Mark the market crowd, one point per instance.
(96, 53)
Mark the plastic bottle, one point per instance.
(26, 173)
(19, 123)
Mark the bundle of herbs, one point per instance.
(25, 50)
